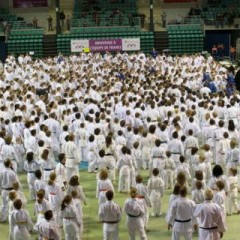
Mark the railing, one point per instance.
(26, 31)
(186, 20)
(106, 22)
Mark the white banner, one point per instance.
(131, 44)
(79, 45)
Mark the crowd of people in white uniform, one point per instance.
(121, 113)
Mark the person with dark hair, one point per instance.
(181, 219)
(21, 222)
(30, 166)
(110, 214)
(156, 190)
(73, 157)
(217, 175)
(7, 178)
(211, 220)
(175, 146)
(39, 182)
(61, 171)
(124, 166)
(48, 228)
(71, 220)
(74, 185)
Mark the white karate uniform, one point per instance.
(175, 146)
(224, 145)
(156, 189)
(182, 218)
(71, 222)
(134, 209)
(168, 166)
(48, 230)
(55, 197)
(21, 224)
(79, 190)
(110, 214)
(124, 165)
(198, 196)
(41, 208)
(143, 196)
(8, 152)
(47, 166)
(61, 173)
(102, 187)
(7, 178)
(232, 197)
(30, 168)
(72, 159)
(232, 159)
(211, 220)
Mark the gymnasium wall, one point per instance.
(218, 37)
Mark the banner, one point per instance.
(105, 45)
(131, 44)
(79, 45)
(102, 45)
(29, 3)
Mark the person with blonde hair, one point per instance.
(55, 196)
(211, 219)
(103, 185)
(232, 197)
(232, 158)
(134, 209)
(41, 205)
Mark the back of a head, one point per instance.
(48, 215)
(183, 191)
(133, 192)
(208, 194)
(139, 178)
(17, 204)
(155, 172)
(7, 163)
(109, 195)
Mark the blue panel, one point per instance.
(215, 38)
(3, 51)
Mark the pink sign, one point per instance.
(105, 45)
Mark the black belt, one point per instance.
(183, 221)
(133, 216)
(8, 189)
(234, 160)
(32, 171)
(109, 154)
(163, 141)
(47, 169)
(208, 228)
(175, 153)
(110, 222)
